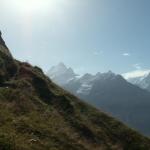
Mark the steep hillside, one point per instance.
(35, 114)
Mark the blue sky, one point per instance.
(87, 35)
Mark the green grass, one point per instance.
(36, 114)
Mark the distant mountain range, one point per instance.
(36, 114)
(142, 82)
(110, 92)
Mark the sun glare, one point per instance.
(33, 5)
(30, 5)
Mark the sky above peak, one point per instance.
(89, 35)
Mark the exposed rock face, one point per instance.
(8, 66)
(3, 47)
(113, 94)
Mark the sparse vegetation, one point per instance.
(35, 114)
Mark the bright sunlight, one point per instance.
(33, 6)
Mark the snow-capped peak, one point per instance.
(61, 74)
(140, 78)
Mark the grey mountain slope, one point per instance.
(142, 82)
(114, 94)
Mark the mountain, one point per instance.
(113, 94)
(61, 74)
(142, 82)
(36, 114)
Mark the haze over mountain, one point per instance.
(142, 81)
(113, 94)
(112, 33)
(37, 114)
(70, 111)
(61, 74)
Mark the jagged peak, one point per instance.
(62, 64)
(87, 75)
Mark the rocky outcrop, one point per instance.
(8, 66)
(3, 47)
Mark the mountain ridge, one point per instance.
(113, 94)
(37, 114)
(142, 82)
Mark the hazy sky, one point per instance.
(88, 35)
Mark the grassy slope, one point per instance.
(35, 114)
